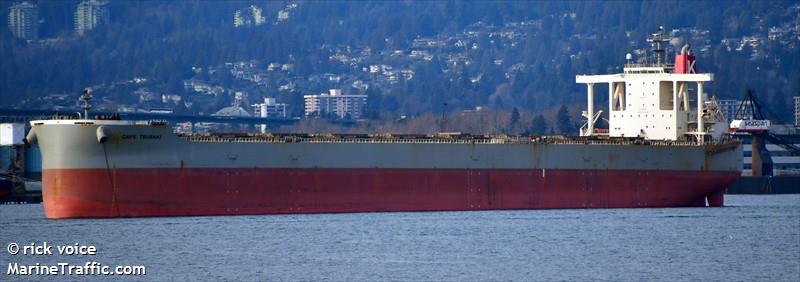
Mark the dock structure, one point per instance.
(13, 186)
(29, 197)
(14, 165)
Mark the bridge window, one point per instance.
(665, 102)
(618, 95)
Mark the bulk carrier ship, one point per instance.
(664, 147)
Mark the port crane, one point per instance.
(749, 119)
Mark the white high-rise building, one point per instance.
(238, 19)
(23, 20)
(336, 103)
(90, 14)
(250, 16)
(728, 108)
(270, 108)
(258, 18)
(797, 111)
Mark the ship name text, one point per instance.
(141, 136)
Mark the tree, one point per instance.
(563, 121)
(538, 125)
(514, 116)
(514, 120)
(159, 41)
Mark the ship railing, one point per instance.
(647, 68)
(436, 140)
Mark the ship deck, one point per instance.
(435, 138)
(443, 138)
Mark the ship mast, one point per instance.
(656, 42)
(87, 95)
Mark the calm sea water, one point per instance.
(753, 238)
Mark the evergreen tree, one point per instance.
(563, 121)
(514, 120)
(159, 41)
(538, 125)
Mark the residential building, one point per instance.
(90, 14)
(258, 17)
(238, 18)
(729, 109)
(250, 16)
(797, 111)
(23, 20)
(270, 109)
(335, 103)
(283, 15)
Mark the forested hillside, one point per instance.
(494, 54)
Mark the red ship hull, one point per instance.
(71, 193)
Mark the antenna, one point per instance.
(87, 95)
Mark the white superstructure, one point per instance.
(655, 101)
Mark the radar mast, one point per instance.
(657, 41)
(87, 95)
